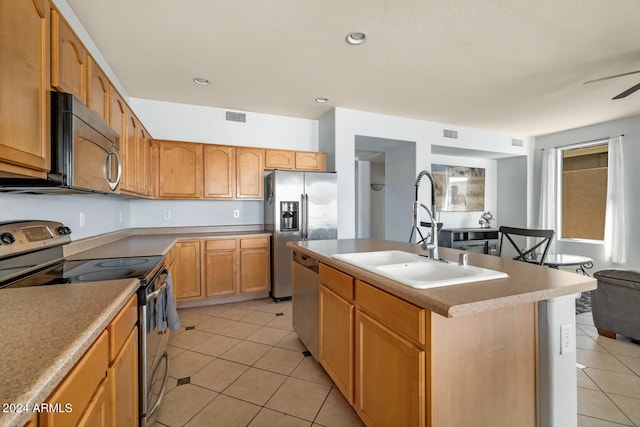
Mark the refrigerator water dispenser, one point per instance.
(289, 216)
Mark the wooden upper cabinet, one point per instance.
(279, 159)
(118, 113)
(249, 173)
(180, 170)
(97, 89)
(128, 152)
(219, 171)
(68, 58)
(24, 96)
(311, 161)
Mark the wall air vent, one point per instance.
(234, 116)
(448, 133)
(517, 142)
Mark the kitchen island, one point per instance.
(483, 353)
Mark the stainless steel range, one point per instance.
(31, 254)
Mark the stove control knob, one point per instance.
(63, 231)
(7, 238)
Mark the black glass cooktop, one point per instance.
(82, 271)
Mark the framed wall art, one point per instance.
(458, 188)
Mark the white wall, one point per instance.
(512, 192)
(347, 124)
(400, 194)
(196, 123)
(630, 127)
(363, 191)
(103, 214)
(378, 201)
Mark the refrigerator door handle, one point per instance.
(306, 216)
(303, 217)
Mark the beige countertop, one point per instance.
(147, 242)
(44, 331)
(526, 282)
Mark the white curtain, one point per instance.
(614, 226)
(547, 214)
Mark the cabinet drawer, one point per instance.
(219, 244)
(121, 326)
(337, 281)
(254, 242)
(79, 386)
(400, 315)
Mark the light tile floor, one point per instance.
(609, 386)
(242, 365)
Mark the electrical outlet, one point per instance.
(83, 219)
(236, 213)
(566, 339)
(167, 215)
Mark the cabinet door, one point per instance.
(180, 170)
(310, 161)
(254, 270)
(97, 90)
(24, 96)
(129, 152)
(219, 171)
(68, 58)
(249, 173)
(118, 114)
(279, 159)
(336, 340)
(78, 388)
(220, 272)
(99, 413)
(124, 379)
(390, 376)
(143, 160)
(186, 272)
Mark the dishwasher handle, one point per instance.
(305, 261)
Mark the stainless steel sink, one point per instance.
(417, 271)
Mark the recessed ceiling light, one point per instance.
(200, 81)
(356, 37)
(322, 100)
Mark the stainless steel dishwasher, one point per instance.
(305, 300)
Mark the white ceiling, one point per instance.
(508, 65)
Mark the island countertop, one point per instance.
(526, 282)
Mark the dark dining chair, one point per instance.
(521, 237)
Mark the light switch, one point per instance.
(236, 213)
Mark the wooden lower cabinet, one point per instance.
(220, 267)
(229, 266)
(401, 365)
(336, 340)
(123, 374)
(390, 376)
(100, 411)
(254, 265)
(101, 390)
(186, 273)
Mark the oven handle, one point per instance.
(153, 295)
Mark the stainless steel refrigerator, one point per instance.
(297, 206)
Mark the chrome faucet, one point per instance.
(432, 245)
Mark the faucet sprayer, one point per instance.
(432, 246)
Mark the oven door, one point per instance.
(154, 336)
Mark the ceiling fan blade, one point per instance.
(627, 92)
(612, 77)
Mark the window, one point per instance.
(584, 190)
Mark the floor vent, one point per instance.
(517, 142)
(188, 328)
(234, 116)
(448, 133)
(306, 353)
(183, 381)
